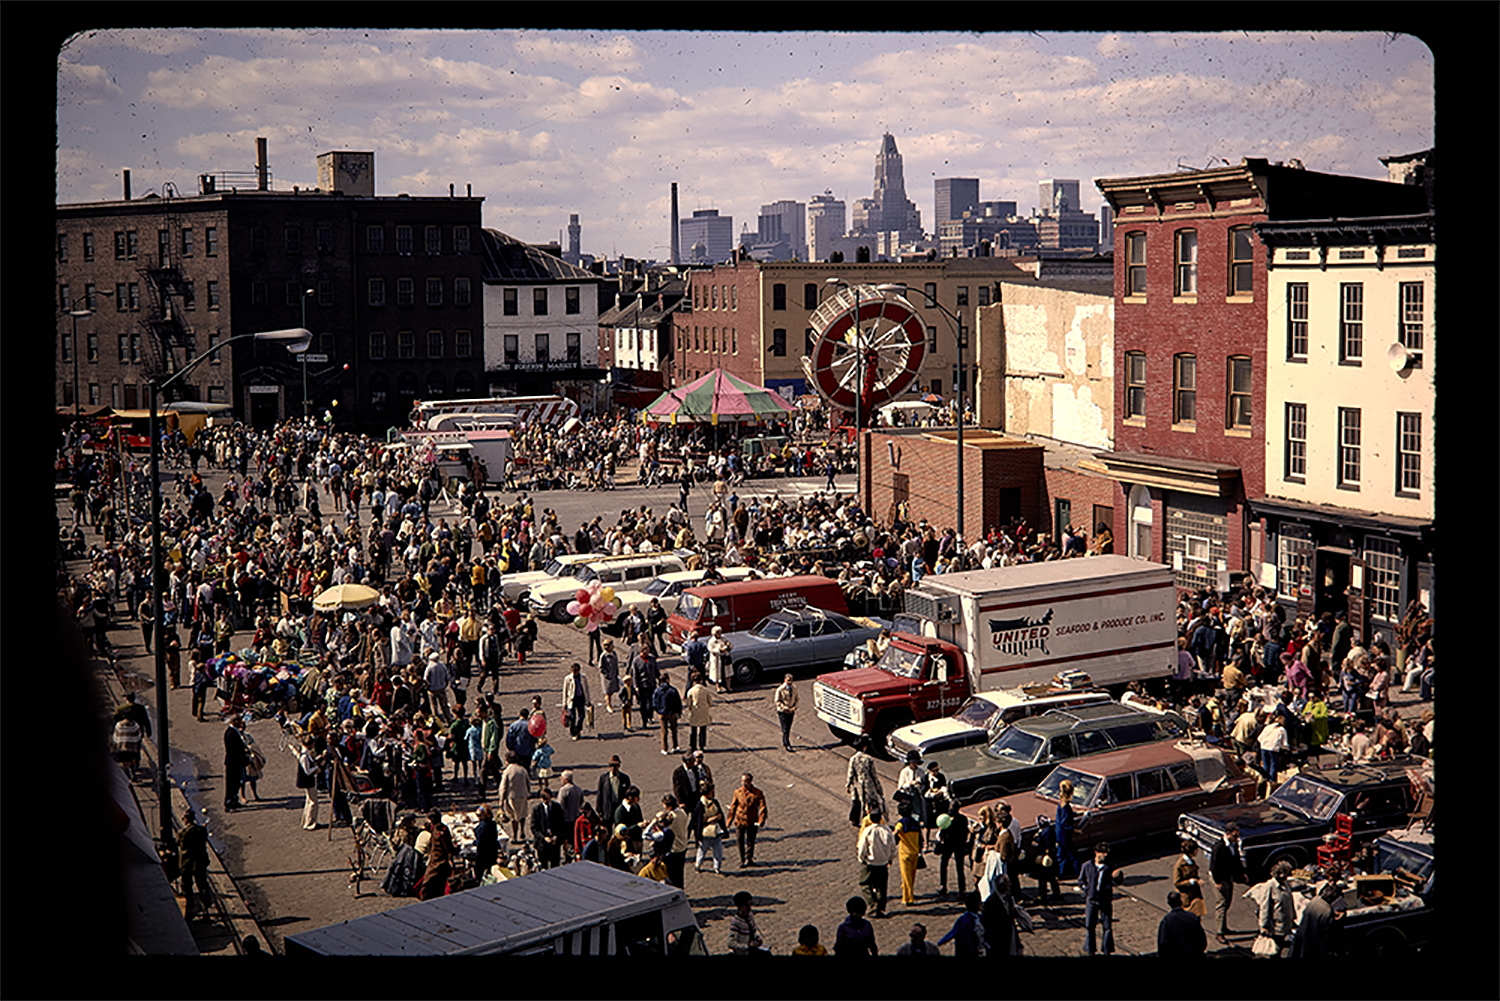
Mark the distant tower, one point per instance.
(676, 236)
(575, 231)
(953, 196)
(893, 211)
(825, 223)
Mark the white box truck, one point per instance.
(1110, 617)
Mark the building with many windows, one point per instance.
(1191, 308)
(541, 321)
(387, 285)
(706, 237)
(1350, 492)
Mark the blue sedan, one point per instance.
(797, 638)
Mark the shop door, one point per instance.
(263, 410)
(1331, 579)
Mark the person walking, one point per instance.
(875, 850)
(747, 813)
(611, 791)
(609, 674)
(236, 756)
(707, 827)
(785, 701)
(440, 856)
(548, 830)
(907, 831)
(720, 660)
(644, 678)
(514, 791)
(1097, 880)
(436, 679)
(307, 781)
(1277, 910)
(862, 784)
(1180, 935)
(576, 701)
(700, 701)
(668, 705)
(192, 863)
(1186, 880)
(1226, 867)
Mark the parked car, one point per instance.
(984, 714)
(795, 638)
(550, 599)
(1400, 918)
(1290, 823)
(516, 587)
(1120, 796)
(1022, 754)
(668, 587)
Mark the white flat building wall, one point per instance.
(557, 324)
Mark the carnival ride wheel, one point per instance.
(883, 349)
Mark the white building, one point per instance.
(1351, 352)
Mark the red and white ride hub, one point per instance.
(885, 346)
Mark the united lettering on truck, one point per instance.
(1019, 637)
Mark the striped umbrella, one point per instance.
(718, 396)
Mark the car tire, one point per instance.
(1385, 943)
(842, 736)
(746, 671)
(1295, 856)
(560, 613)
(888, 723)
(988, 792)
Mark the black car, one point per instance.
(1290, 824)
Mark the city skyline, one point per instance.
(544, 124)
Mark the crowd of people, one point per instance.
(388, 701)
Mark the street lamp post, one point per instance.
(958, 383)
(76, 314)
(305, 409)
(296, 341)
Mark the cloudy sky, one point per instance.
(543, 123)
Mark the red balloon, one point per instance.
(537, 725)
(582, 597)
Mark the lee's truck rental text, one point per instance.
(1111, 617)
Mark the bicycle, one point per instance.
(367, 843)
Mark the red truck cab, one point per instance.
(917, 678)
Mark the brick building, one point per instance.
(1190, 353)
(387, 285)
(917, 467)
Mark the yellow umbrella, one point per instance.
(345, 596)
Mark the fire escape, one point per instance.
(165, 319)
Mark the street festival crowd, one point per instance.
(382, 701)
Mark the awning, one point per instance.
(1335, 515)
(1210, 479)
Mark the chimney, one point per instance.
(450, 191)
(675, 248)
(468, 191)
(261, 181)
(125, 174)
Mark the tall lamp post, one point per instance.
(76, 314)
(305, 408)
(958, 341)
(296, 341)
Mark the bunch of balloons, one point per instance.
(593, 606)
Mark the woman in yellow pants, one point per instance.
(908, 832)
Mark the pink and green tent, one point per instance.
(717, 397)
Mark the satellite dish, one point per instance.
(1398, 357)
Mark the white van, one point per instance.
(550, 600)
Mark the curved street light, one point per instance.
(305, 294)
(958, 385)
(296, 340)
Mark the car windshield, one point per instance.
(585, 574)
(1017, 745)
(769, 629)
(975, 712)
(902, 663)
(688, 606)
(555, 568)
(1396, 859)
(1083, 785)
(1306, 797)
(656, 588)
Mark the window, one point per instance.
(121, 303)
(325, 239)
(570, 300)
(375, 239)
(1135, 385)
(984, 295)
(377, 291)
(123, 349)
(211, 240)
(189, 294)
(88, 246)
(778, 343)
(377, 345)
(1237, 377)
(406, 344)
(778, 296)
(463, 344)
(810, 296)
(325, 293)
(1184, 389)
(461, 292)
(216, 394)
(1294, 550)
(1296, 321)
(90, 297)
(293, 240)
(1152, 783)
(460, 239)
(930, 289)
(1348, 472)
(292, 293)
(1187, 262)
(67, 346)
(1351, 322)
(1383, 564)
(509, 306)
(187, 242)
(543, 348)
(258, 295)
(132, 244)
(93, 347)
(434, 291)
(1296, 442)
(64, 297)
(713, 291)
(1135, 263)
(1241, 272)
(434, 344)
(932, 344)
(62, 246)
(405, 291)
(539, 302)
(963, 295)
(512, 349)
(94, 392)
(119, 245)
(1412, 325)
(1119, 789)
(575, 349)
(1197, 548)
(434, 240)
(1408, 453)
(213, 342)
(257, 240)
(734, 341)
(163, 247)
(1092, 742)
(133, 291)
(403, 241)
(734, 297)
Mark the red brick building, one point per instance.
(1190, 353)
(1003, 477)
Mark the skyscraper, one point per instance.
(825, 223)
(575, 232)
(1055, 197)
(707, 236)
(891, 209)
(953, 196)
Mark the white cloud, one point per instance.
(1115, 45)
(85, 84)
(619, 54)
